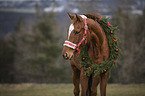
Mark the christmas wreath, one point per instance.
(115, 51)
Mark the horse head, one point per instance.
(76, 35)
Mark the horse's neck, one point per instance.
(97, 43)
(94, 50)
(97, 29)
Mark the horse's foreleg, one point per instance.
(76, 80)
(84, 82)
(95, 82)
(103, 84)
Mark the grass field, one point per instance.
(66, 90)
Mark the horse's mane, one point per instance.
(94, 16)
(96, 50)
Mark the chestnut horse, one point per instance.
(82, 29)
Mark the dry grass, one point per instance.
(66, 90)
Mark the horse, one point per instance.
(85, 30)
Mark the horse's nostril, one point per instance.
(66, 55)
(70, 57)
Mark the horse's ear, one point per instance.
(78, 17)
(71, 16)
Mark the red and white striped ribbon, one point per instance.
(70, 44)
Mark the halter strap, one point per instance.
(76, 46)
(70, 44)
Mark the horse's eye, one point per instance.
(77, 32)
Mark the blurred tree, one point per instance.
(6, 59)
(38, 50)
(131, 61)
(139, 48)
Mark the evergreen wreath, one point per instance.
(115, 51)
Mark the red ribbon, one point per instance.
(90, 69)
(104, 70)
(109, 24)
(114, 60)
(114, 40)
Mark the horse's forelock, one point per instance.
(83, 16)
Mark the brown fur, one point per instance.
(98, 51)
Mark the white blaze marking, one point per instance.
(71, 28)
